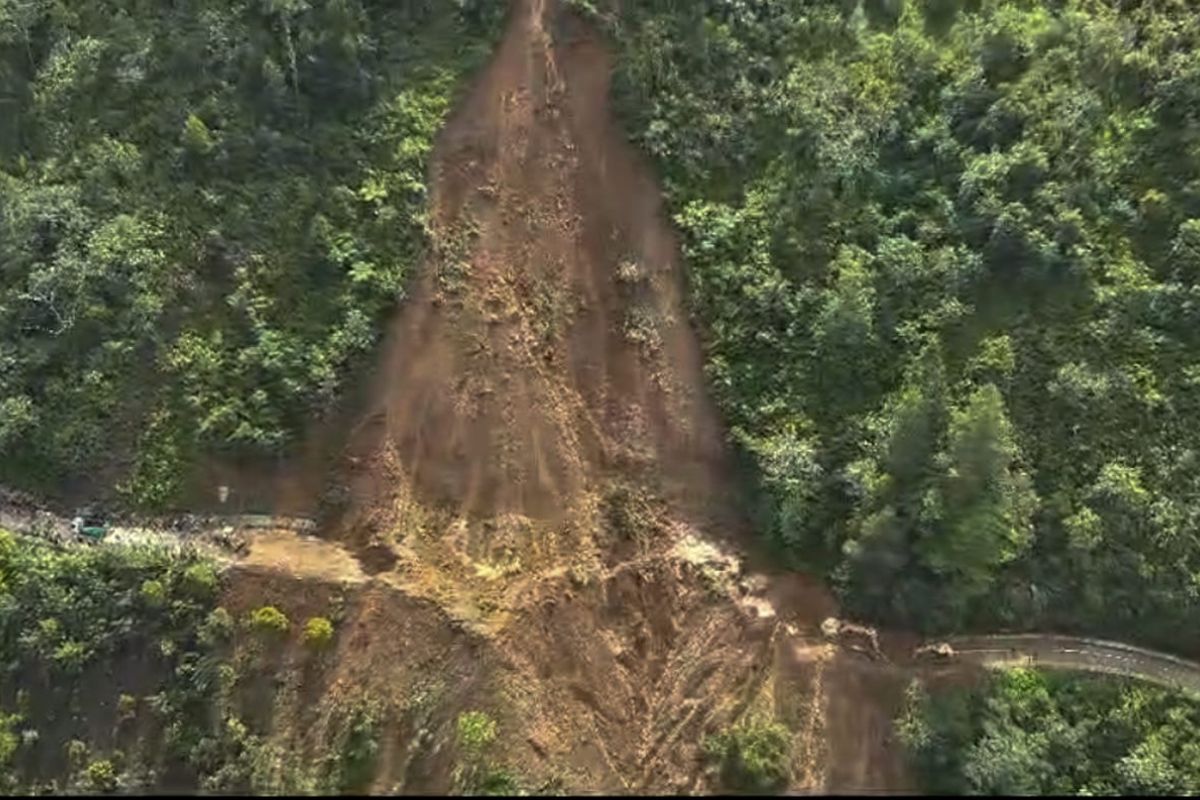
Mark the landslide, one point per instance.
(545, 348)
(538, 490)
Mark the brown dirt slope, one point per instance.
(537, 490)
(545, 346)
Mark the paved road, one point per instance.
(19, 515)
(1088, 655)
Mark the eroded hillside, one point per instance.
(534, 516)
(539, 469)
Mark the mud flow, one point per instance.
(545, 346)
(538, 481)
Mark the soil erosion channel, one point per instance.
(539, 473)
(545, 347)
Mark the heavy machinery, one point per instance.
(938, 651)
(859, 638)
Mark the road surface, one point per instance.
(1087, 655)
(19, 514)
(1010, 650)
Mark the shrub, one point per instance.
(154, 593)
(318, 633)
(476, 774)
(8, 739)
(476, 730)
(126, 707)
(355, 764)
(498, 782)
(70, 656)
(217, 627)
(269, 619)
(196, 135)
(77, 753)
(200, 579)
(753, 756)
(101, 776)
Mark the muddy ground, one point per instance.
(536, 492)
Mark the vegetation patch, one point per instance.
(318, 633)
(630, 512)
(120, 673)
(1024, 732)
(357, 750)
(206, 211)
(80, 624)
(751, 756)
(478, 773)
(946, 256)
(268, 620)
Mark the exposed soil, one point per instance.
(537, 490)
(545, 345)
(304, 557)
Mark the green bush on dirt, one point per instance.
(476, 730)
(751, 756)
(126, 707)
(318, 633)
(477, 773)
(269, 620)
(356, 755)
(101, 776)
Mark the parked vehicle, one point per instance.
(89, 526)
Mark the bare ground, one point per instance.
(537, 492)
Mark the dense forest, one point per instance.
(1029, 733)
(945, 255)
(95, 629)
(206, 208)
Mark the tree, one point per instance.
(987, 502)
(318, 633)
(1023, 732)
(752, 756)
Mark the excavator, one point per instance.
(858, 638)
